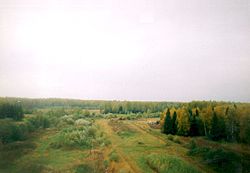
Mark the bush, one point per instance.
(113, 156)
(192, 144)
(177, 140)
(222, 161)
(80, 136)
(75, 137)
(38, 121)
(67, 119)
(219, 159)
(11, 131)
(82, 122)
(106, 163)
(170, 137)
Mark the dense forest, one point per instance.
(222, 121)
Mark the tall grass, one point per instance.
(219, 159)
(164, 163)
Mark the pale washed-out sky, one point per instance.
(174, 50)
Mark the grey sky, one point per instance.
(127, 50)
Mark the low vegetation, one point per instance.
(219, 158)
(57, 135)
(164, 163)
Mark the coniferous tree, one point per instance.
(217, 130)
(214, 131)
(174, 123)
(167, 127)
(194, 126)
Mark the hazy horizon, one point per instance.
(141, 50)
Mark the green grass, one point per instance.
(126, 134)
(131, 147)
(12, 152)
(84, 168)
(164, 163)
(137, 146)
(36, 155)
(219, 159)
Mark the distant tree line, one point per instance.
(121, 107)
(229, 122)
(32, 104)
(127, 107)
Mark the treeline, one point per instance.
(8, 110)
(122, 107)
(29, 104)
(229, 121)
(127, 107)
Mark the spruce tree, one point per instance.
(167, 127)
(174, 123)
(194, 124)
(217, 130)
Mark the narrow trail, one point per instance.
(173, 149)
(115, 146)
(143, 130)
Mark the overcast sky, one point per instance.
(174, 50)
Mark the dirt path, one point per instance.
(146, 136)
(144, 130)
(116, 140)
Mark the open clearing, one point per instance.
(134, 147)
(140, 142)
(131, 141)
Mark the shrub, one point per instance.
(106, 163)
(67, 119)
(170, 137)
(82, 122)
(192, 144)
(75, 137)
(113, 156)
(79, 136)
(39, 121)
(11, 131)
(177, 140)
(220, 159)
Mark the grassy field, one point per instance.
(122, 146)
